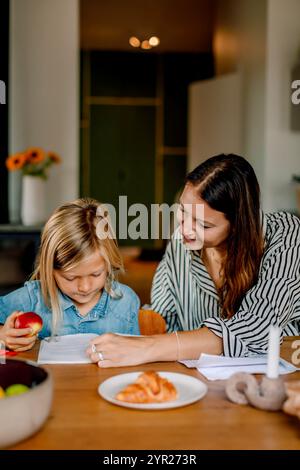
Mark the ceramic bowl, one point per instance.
(23, 415)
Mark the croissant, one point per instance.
(148, 388)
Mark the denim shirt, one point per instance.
(109, 315)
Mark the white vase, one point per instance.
(33, 200)
(14, 196)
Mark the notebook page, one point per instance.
(68, 349)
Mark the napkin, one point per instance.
(222, 367)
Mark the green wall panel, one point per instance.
(174, 175)
(122, 149)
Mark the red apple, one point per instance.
(29, 320)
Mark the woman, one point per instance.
(231, 274)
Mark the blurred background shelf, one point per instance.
(18, 248)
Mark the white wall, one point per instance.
(282, 144)
(44, 88)
(214, 118)
(261, 39)
(240, 46)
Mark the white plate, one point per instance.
(189, 390)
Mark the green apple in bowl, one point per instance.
(16, 389)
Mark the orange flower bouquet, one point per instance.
(33, 162)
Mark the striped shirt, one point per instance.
(185, 295)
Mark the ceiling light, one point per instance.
(134, 42)
(146, 45)
(154, 41)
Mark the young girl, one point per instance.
(73, 287)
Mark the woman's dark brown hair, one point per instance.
(228, 184)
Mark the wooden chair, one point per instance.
(151, 323)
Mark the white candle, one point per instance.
(273, 352)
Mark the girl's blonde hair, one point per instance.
(73, 232)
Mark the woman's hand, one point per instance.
(15, 338)
(110, 350)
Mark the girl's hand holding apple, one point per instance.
(17, 339)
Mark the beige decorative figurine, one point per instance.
(269, 394)
(292, 404)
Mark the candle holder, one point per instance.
(267, 394)
(292, 404)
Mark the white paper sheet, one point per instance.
(222, 367)
(68, 349)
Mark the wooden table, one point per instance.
(80, 419)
